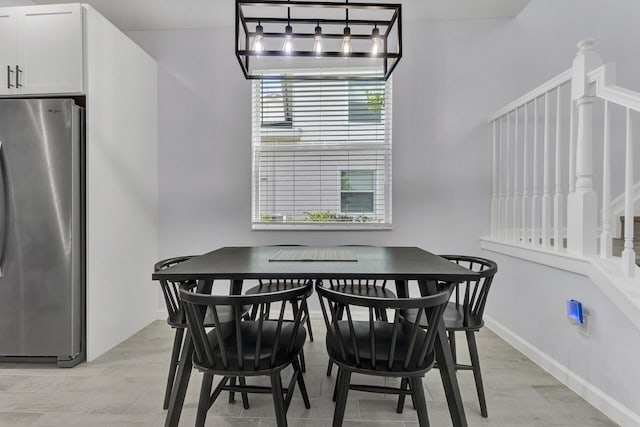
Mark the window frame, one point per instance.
(265, 213)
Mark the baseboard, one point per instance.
(603, 402)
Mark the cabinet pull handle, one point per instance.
(9, 71)
(18, 72)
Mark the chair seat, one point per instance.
(225, 315)
(364, 291)
(383, 332)
(249, 333)
(453, 318)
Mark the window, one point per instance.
(321, 154)
(356, 191)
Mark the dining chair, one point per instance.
(176, 319)
(361, 287)
(464, 313)
(247, 348)
(377, 347)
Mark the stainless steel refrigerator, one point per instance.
(41, 231)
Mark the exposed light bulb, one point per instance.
(258, 42)
(287, 47)
(346, 41)
(317, 41)
(376, 44)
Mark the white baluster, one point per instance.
(508, 195)
(516, 190)
(572, 146)
(605, 235)
(582, 205)
(494, 182)
(535, 196)
(546, 178)
(557, 200)
(500, 181)
(525, 191)
(628, 253)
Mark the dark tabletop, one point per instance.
(373, 262)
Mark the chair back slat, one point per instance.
(239, 344)
(372, 337)
(354, 343)
(297, 319)
(412, 340)
(278, 330)
(218, 330)
(261, 317)
(195, 316)
(394, 338)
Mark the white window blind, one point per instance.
(321, 154)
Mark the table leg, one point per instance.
(446, 366)
(182, 381)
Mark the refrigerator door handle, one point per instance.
(5, 211)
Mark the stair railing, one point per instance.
(548, 134)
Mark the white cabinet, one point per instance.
(41, 50)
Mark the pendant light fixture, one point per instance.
(346, 38)
(317, 40)
(363, 44)
(375, 41)
(287, 47)
(258, 42)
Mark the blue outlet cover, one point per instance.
(574, 312)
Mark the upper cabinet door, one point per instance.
(49, 49)
(8, 51)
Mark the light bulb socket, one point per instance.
(318, 31)
(347, 32)
(288, 31)
(259, 30)
(375, 33)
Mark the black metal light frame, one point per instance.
(389, 57)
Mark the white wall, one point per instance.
(122, 186)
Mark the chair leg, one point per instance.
(404, 384)
(302, 386)
(203, 402)
(278, 400)
(173, 365)
(232, 395)
(245, 396)
(336, 385)
(329, 368)
(452, 345)
(303, 365)
(475, 363)
(341, 401)
(306, 313)
(419, 400)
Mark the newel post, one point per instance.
(582, 204)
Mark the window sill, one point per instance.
(355, 226)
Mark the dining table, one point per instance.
(407, 266)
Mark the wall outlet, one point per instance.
(583, 328)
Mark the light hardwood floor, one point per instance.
(125, 388)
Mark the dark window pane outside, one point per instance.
(356, 202)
